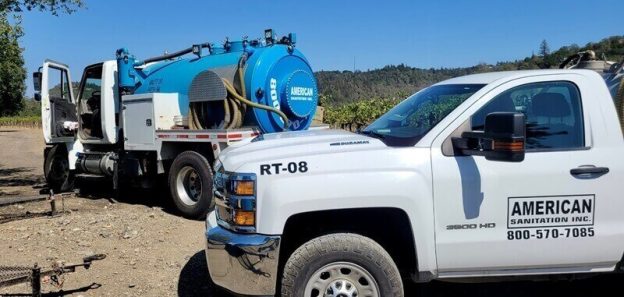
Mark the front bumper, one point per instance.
(242, 263)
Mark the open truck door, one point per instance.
(58, 109)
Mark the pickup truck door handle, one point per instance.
(589, 171)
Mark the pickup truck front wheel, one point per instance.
(342, 264)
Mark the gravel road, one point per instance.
(151, 251)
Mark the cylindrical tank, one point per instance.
(274, 74)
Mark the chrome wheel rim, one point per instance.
(188, 185)
(342, 279)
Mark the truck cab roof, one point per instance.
(490, 77)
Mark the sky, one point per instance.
(333, 34)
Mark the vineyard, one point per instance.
(21, 121)
(29, 116)
(355, 115)
(349, 116)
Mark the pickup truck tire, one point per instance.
(341, 264)
(190, 184)
(56, 169)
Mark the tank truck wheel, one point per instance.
(56, 169)
(190, 183)
(348, 265)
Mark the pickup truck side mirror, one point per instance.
(37, 81)
(503, 138)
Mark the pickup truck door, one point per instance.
(552, 212)
(57, 102)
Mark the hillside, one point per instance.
(353, 99)
(399, 81)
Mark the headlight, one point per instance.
(235, 199)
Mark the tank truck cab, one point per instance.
(74, 116)
(89, 113)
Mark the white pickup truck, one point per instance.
(481, 176)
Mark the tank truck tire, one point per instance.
(190, 184)
(341, 264)
(56, 169)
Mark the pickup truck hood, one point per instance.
(275, 146)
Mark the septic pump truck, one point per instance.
(132, 121)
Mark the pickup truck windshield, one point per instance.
(406, 123)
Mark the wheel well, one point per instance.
(172, 150)
(390, 227)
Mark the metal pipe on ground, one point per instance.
(22, 199)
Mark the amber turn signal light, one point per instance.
(511, 146)
(244, 187)
(244, 218)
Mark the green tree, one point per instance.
(544, 49)
(53, 6)
(397, 82)
(12, 72)
(31, 108)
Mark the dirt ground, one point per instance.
(21, 161)
(151, 251)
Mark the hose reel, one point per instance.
(208, 89)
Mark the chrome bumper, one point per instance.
(242, 263)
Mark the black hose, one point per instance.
(175, 55)
(569, 59)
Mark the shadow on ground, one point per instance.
(60, 293)
(194, 279)
(18, 177)
(157, 196)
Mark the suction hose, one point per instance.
(245, 101)
(234, 106)
(242, 97)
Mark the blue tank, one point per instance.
(274, 74)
